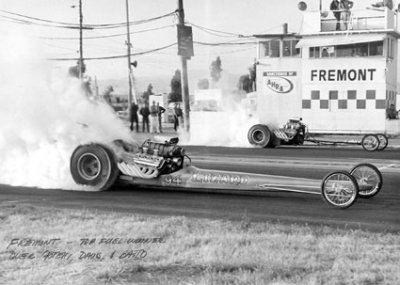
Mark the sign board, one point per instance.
(185, 41)
(278, 81)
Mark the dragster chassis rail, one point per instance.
(339, 189)
(369, 142)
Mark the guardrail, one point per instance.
(355, 23)
(360, 20)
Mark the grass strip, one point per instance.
(42, 245)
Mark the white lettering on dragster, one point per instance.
(219, 178)
(173, 180)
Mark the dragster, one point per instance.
(165, 164)
(295, 132)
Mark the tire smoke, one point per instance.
(224, 122)
(44, 116)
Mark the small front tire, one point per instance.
(367, 174)
(383, 141)
(339, 189)
(370, 142)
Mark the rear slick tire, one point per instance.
(94, 166)
(259, 135)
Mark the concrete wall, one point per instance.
(392, 127)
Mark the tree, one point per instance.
(176, 88)
(203, 84)
(215, 70)
(245, 83)
(253, 74)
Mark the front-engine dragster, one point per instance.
(165, 164)
(295, 132)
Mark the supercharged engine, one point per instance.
(153, 159)
(293, 132)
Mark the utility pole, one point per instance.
(81, 71)
(128, 38)
(184, 75)
(96, 87)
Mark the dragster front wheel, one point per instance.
(370, 142)
(369, 179)
(339, 189)
(383, 141)
(93, 165)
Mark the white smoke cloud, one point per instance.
(44, 116)
(226, 127)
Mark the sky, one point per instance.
(224, 19)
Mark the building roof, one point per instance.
(276, 36)
(335, 40)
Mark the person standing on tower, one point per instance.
(345, 6)
(335, 6)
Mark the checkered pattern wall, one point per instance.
(332, 100)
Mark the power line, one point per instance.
(215, 32)
(23, 19)
(38, 19)
(157, 49)
(107, 36)
(115, 56)
(203, 54)
(25, 22)
(109, 46)
(119, 25)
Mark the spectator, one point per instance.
(177, 116)
(335, 6)
(345, 6)
(133, 116)
(160, 111)
(391, 113)
(153, 117)
(145, 112)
